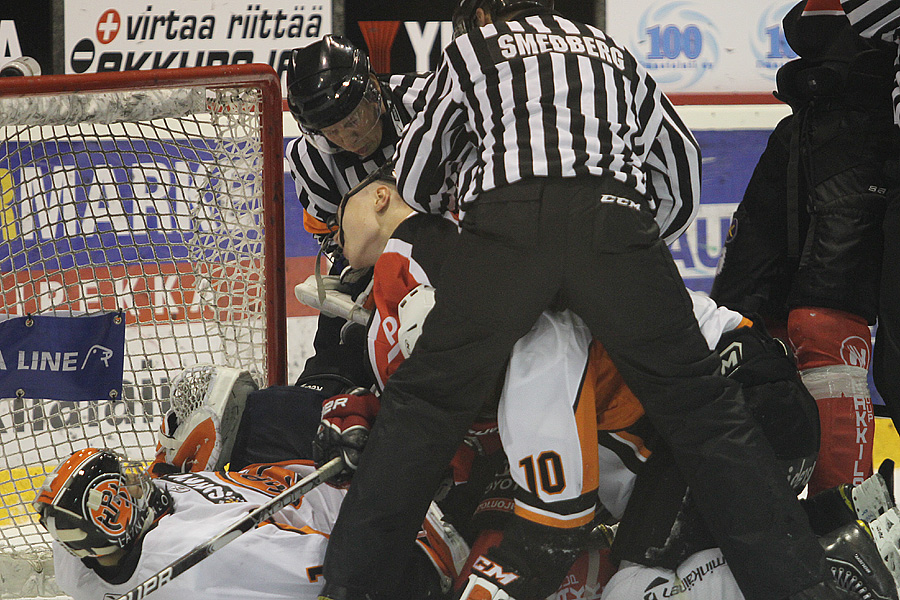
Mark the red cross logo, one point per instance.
(108, 26)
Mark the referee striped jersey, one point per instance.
(878, 19)
(547, 97)
(322, 179)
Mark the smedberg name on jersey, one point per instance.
(514, 45)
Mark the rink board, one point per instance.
(731, 140)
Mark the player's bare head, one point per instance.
(335, 97)
(97, 504)
(364, 217)
(471, 14)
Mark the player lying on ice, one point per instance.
(115, 525)
(561, 392)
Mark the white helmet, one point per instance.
(412, 311)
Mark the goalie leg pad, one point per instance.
(207, 404)
(886, 530)
(835, 507)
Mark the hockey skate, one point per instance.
(837, 506)
(856, 563)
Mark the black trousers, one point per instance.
(588, 245)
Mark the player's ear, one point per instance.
(382, 197)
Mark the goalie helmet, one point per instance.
(464, 14)
(96, 502)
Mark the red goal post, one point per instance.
(157, 193)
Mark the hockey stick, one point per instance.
(245, 524)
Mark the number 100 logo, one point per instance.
(671, 42)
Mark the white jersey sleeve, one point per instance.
(714, 320)
(702, 576)
(280, 559)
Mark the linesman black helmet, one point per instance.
(326, 81)
(464, 14)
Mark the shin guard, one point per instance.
(833, 350)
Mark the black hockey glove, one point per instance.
(775, 396)
(344, 431)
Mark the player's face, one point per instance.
(360, 237)
(359, 132)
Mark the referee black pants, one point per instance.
(587, 245)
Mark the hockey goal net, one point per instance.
(153, 193)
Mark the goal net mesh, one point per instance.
(147, 202)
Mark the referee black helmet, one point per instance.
(326, 81)
(464, 14)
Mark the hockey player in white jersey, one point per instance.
(114, 526)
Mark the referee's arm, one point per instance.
(874, 18)
(673, 173)
(425, 149)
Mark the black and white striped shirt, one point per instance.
(878, 19)
(548, 97)
(322, 179)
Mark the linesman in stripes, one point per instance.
(582, 171)
(350, 120)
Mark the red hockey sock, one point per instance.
(833, 350)
(822, 337)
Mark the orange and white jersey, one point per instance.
(279, 559)
(570, 425)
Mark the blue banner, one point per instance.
(62, 358)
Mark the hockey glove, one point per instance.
(479, 588)
(197, 434)
(482, 439)
(344, 431)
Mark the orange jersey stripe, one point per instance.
(556, 521)
(617, 406)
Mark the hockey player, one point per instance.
(407, 250)
(576, 152)
(806, 243)
(661, 527)
(113, 528)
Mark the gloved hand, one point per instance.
(482, 439)
(344, 430)
(482, 589)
